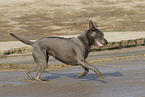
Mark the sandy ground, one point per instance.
(33, 19)
(8, 2)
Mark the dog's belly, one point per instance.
(69, 60)
(67, 57)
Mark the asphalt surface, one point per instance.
(124, 71)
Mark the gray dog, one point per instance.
(72, 51)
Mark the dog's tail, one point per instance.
(22, 40)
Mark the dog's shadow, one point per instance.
(88, 77)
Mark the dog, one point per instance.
(71, 51)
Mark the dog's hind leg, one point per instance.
(41, 58)
(40, 70)
(84, 73)
(31, 70)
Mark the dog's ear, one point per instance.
(91, 25)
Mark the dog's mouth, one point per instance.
(99, 44)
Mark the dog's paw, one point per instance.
(81, 75)
(101, 76)
(41, 79)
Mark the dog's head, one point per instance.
(95, 35)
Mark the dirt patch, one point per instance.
(41, 18)
(17, 67)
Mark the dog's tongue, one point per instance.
(99, 44)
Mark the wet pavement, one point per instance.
(124, 72)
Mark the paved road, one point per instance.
(124, 72)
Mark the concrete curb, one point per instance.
(109, 46)
(16, 51)
(122, 44)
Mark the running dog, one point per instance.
(71, 51)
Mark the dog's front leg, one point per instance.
(84, 64)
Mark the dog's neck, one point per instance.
(85, 38)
